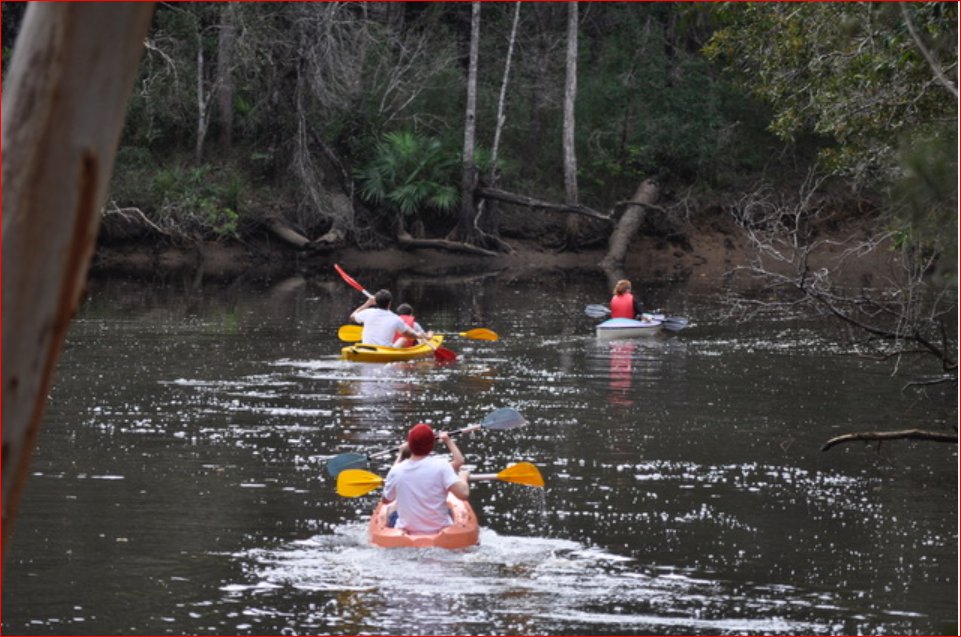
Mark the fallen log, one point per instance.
(408, 242)
(537, 204)
(283, 231)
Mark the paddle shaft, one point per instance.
(354, 333)
(387, 452)
(671, 323)
(353, 483)
(500, 419)
(478, 477)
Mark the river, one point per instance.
(179, 486)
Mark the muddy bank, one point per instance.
(710, 252)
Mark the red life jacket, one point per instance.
(409, 320)
(622, 306)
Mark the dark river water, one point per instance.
(179, 483)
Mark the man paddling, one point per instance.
(419, 485)
(381, 324)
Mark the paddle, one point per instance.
(441, 354)
(672, 323)
(499, 419)
(353, 334)
(353, 483)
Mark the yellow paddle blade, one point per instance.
(522, 473)
(352, 483)
(350, 333)
(480, 334)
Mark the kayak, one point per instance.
(363, 353)
(463, 533)
(627, 328)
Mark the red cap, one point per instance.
(420, 440)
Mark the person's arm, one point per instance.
(369, 302)
(387, 495)
(457, 458)
(461, 488)
(416, 335)
(638, 310)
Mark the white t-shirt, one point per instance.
(419, 488)
(379, 326)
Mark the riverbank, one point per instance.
(712, 249)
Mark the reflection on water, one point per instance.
(179, 486)
(622, 371)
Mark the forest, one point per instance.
(376, 124)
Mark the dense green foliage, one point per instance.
(848, 71)
(883, 100)
(273, 104)
(407, 173)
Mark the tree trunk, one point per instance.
(466, 229)
(492, 175)
(202, 100)
(488, 209)
(645, 195)
(63, 111)
(225, 79)
(570, 98)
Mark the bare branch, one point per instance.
(942, 78)
(908, 434)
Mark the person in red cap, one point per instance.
(420, 483)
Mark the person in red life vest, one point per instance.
(406, 314)
(624, 304)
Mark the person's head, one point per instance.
(405, 308)
(420, 440)
(383, 299)
(622, 286)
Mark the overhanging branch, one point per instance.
(907, 434)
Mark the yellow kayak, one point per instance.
(463, 533)
(363, 353)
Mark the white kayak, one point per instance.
(628, 328)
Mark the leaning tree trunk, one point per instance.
(645, 195)
(63, 112)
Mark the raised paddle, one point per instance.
(353, 334)
(441, 354)
(353, 483)
(672, 323)
(499, 419)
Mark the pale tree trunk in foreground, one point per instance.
(63, 110)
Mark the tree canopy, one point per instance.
(280, 105)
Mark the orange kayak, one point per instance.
(463, 533)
